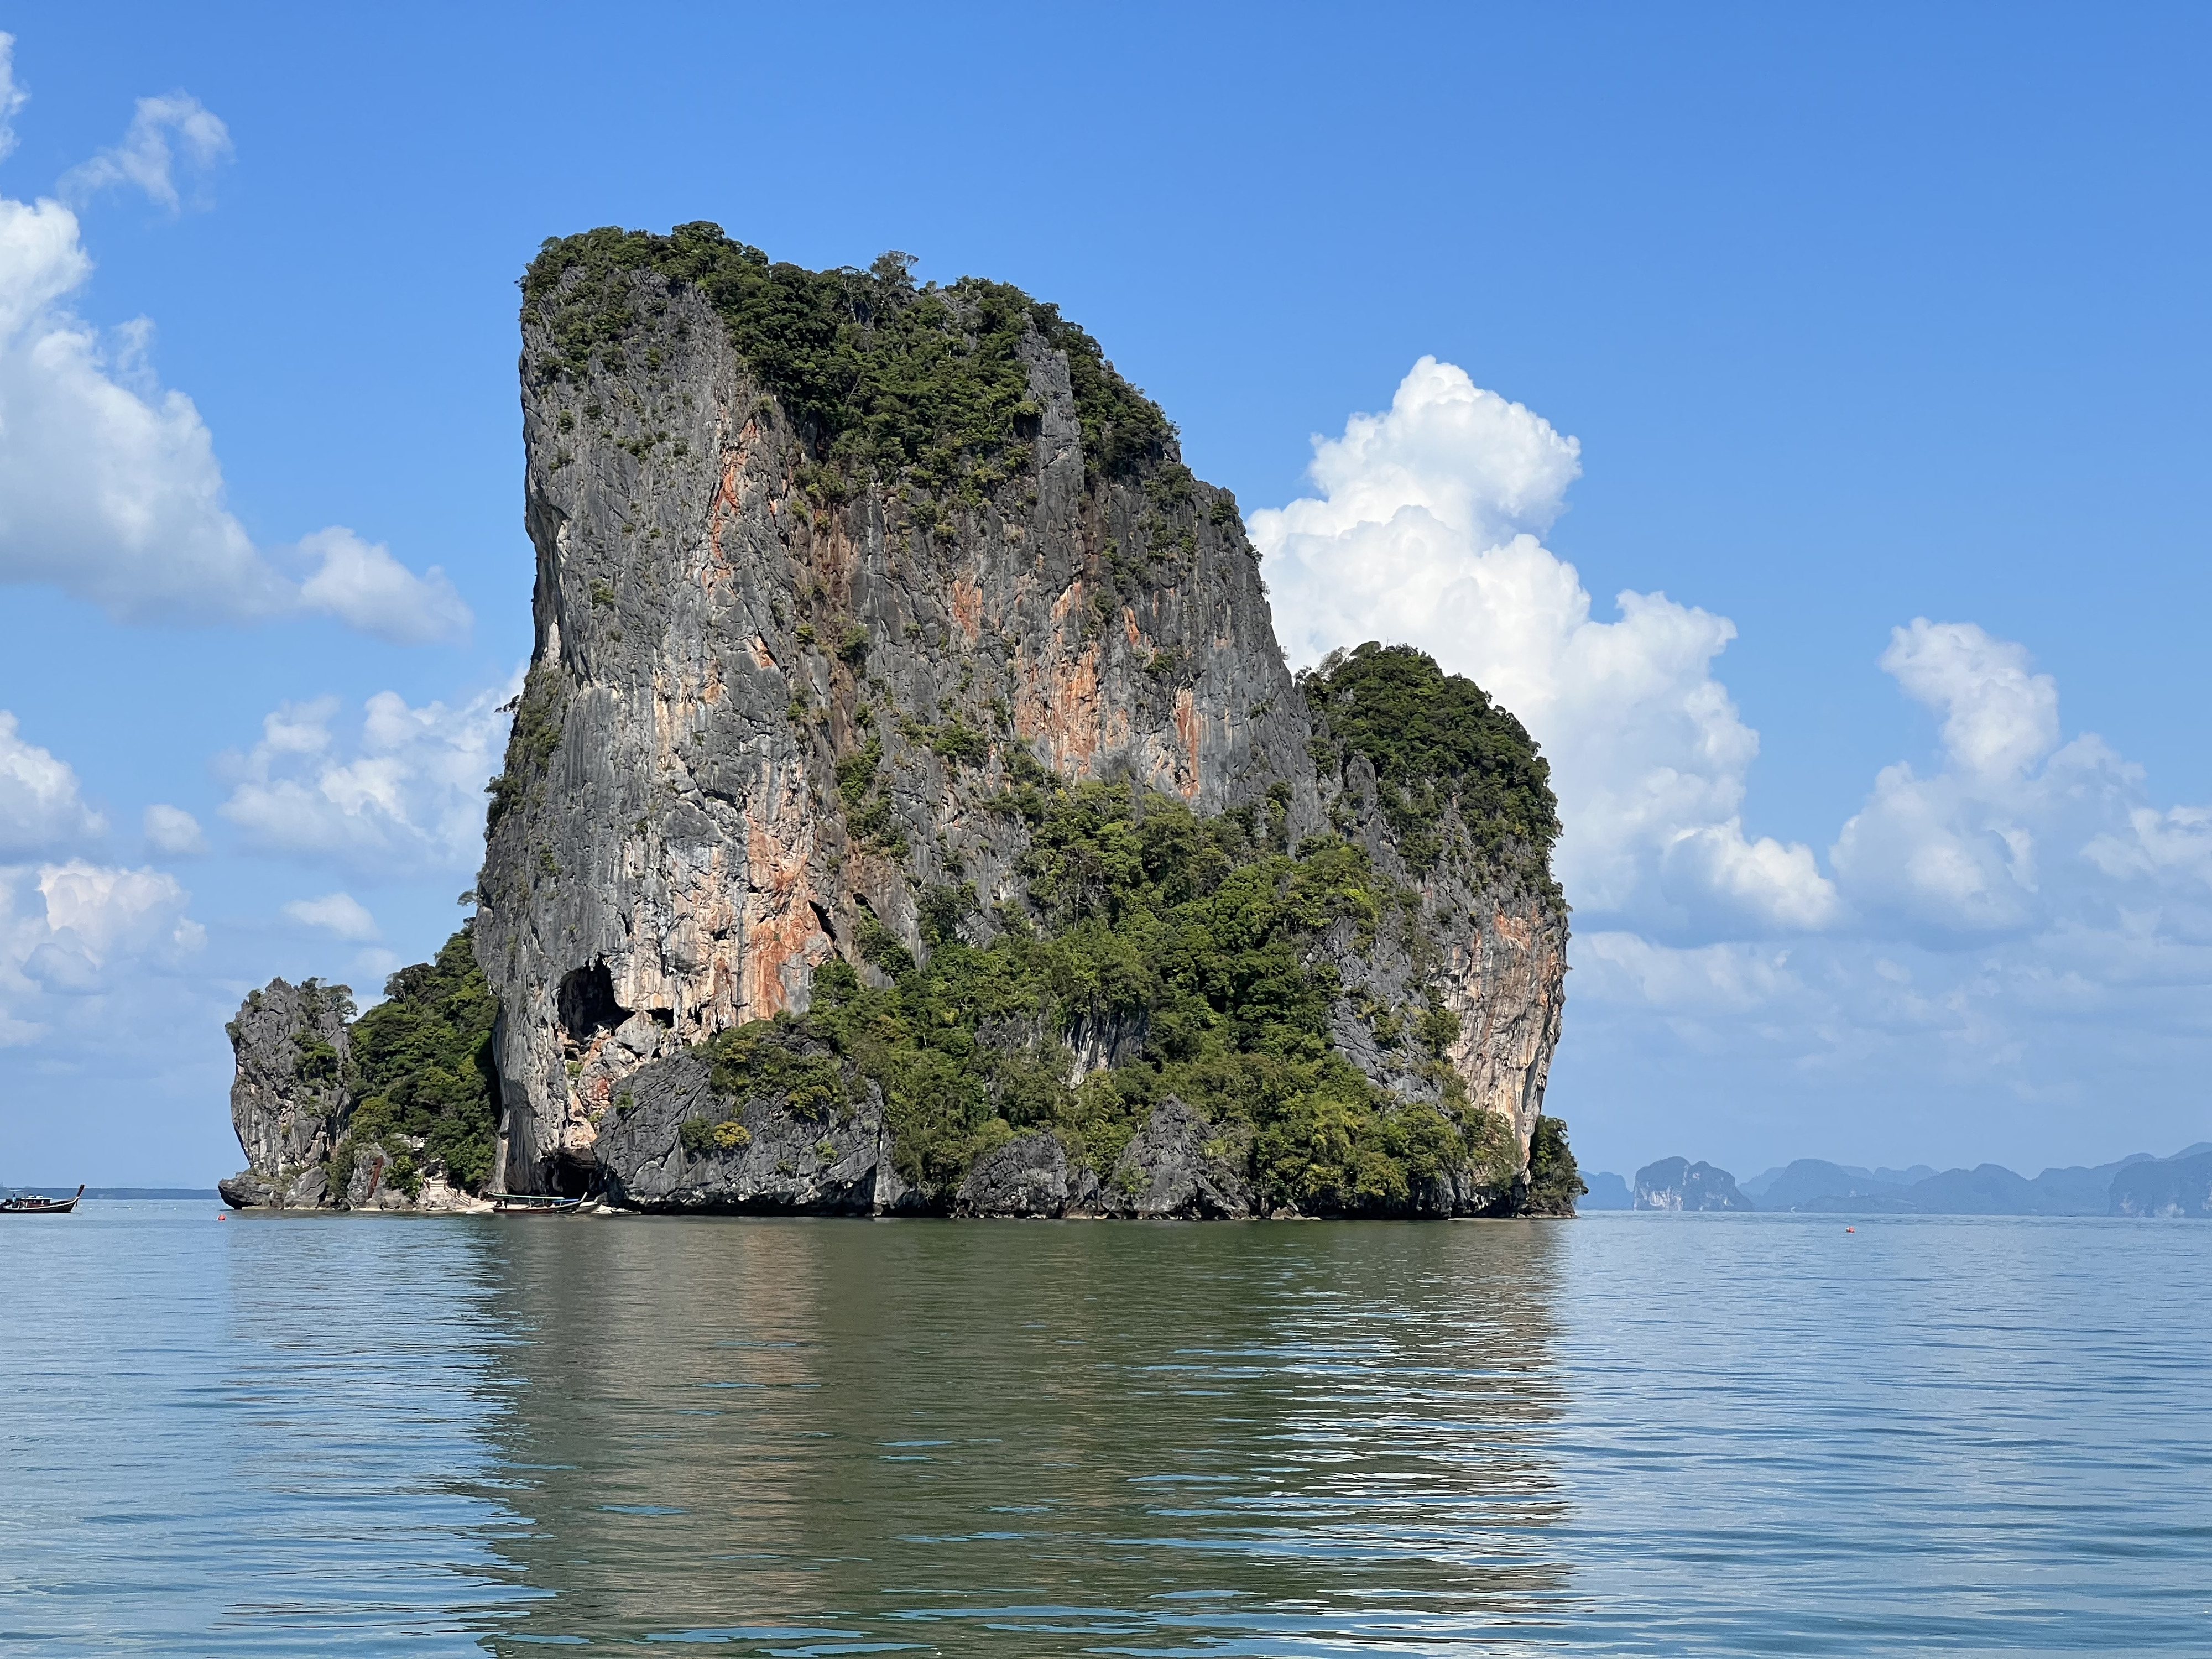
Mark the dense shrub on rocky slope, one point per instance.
(892, 383)
(422, 1073)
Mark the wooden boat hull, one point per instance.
(531, 1204)
(42, 1206)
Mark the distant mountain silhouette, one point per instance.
(1809, 1179)
(1607, 1191)
(1815, 1185)
(2177, 1186)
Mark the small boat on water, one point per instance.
(33, 1204)
(534, 1204)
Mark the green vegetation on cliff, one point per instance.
(530, 741)
(924, 387)
(422, 1069)
(1182, 948)
(1436, 740)
(1554, 1182)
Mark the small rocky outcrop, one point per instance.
(1675, 1183)
(291, 1046)
(1554, 1184)
(673, 1141)
(1028, 1176)
(1179, 1167)
(391, 1111)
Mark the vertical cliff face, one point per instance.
(291, 1046)
(842, 586)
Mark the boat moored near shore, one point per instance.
(35, 1204)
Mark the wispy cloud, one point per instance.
(13, 96)
(340, 913)
(169, 134)
(110, 489)
(401, 793)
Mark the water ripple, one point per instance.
(1723, 1435)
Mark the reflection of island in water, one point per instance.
(986, 1438)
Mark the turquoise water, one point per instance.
(1641, 1434)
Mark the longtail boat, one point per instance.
(33, 1204)
(534, 1204)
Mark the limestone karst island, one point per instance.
(909, 809)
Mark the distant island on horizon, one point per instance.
(2139, 1184)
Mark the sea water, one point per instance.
(1628, 1433)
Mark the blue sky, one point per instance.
(1856, 315)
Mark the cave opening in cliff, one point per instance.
(570, 1174)
(586, 1004)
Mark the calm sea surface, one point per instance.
(1647, 1434)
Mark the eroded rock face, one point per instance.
(759, 1156)
(685, 847)
(1497, 948)
(763, 717)
(288, 1097)
(1178, 1168)
(1027, 1176)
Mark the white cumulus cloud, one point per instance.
(1999, 840)
(1426, 532)
(361, 585)
(1998, 717)
(109, 485)
(94, 927)
(401, 793)
(104, 911)
(340, 913)
(40, 806)
(2018, 937)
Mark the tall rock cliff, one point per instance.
(894, 682)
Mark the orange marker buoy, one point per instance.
(223, 1215)
(1851, 1230)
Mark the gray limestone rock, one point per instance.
(763, 719)
(288, 1097)
(373, 1182)
(308, 1189)
(1027, 1176)
(292, 1108)
(758, 1156)
(1178, 1167)
(247, 1191)
(1490, 940)
(671, 837)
